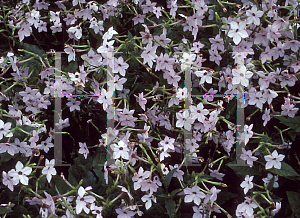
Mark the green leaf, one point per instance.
(169, 177)
(71, 67)
(60, 184)
(89, 179)
(21, 135)
(294, 200)
(293, 134)
(34, 49)
(243, 170)
(170, 207)
(294, 123)
(271, 183)
(175, 192)
(99, 159)
(225, 196)
(129, 35)
(5, 157)
(286, 171)
(4, 210)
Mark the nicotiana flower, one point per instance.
(184, 120)
(8, 181)
(83, 149)
(148, 199)
(269, 178)
(181, 93)
(168, 143)
(49, 169)
(82, 200)
(241, 76)
(247, 184)
(120, 150)
(193, 194)
(247, 155)
(237, 31)
(186, 60)
(20, 173)
(149, 55)
(246, 208)
(274, 160)
(77, 31)
(4, 129)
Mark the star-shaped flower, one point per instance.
(237, 31)
(274, 160)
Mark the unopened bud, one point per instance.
(224, 185)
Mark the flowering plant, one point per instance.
(187, 90)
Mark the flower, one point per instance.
(141, 100)
(254, 15)
(269, 178)
(181, 93)
(241, 76)
(149, 54)
(186, 60)
(237, 31)
(198, 113)
(71, 53)
(25, 30)
(125, 190)
(167, 143)
(193, 194)
(140, 177)
(247, 184)
(121, 150)
(247, 155)
(125, 212)
(206, 76)
(246, 208)
(274, 160)
(19, 174)
(184, 119)
(82, 201)
(77, 31)
(147, 199)
(8, 181)
(83, 149)
(109, 34)
(49, 169)
(4, 129)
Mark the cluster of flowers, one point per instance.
(249, 38)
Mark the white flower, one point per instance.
(109, 34)
(147, 199)
(8, 181)
(205, 76)
(121, 150)
(82, 201)
(241, 76)
(274, 160)
(184, 119)
(77, 31)
(181, 93)
(49, 169)
(83, 149)
(247, 184)
(19, 174)
(4, 129)
(237, 31)
(187, 60)
(269, 178)
(193, 194)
